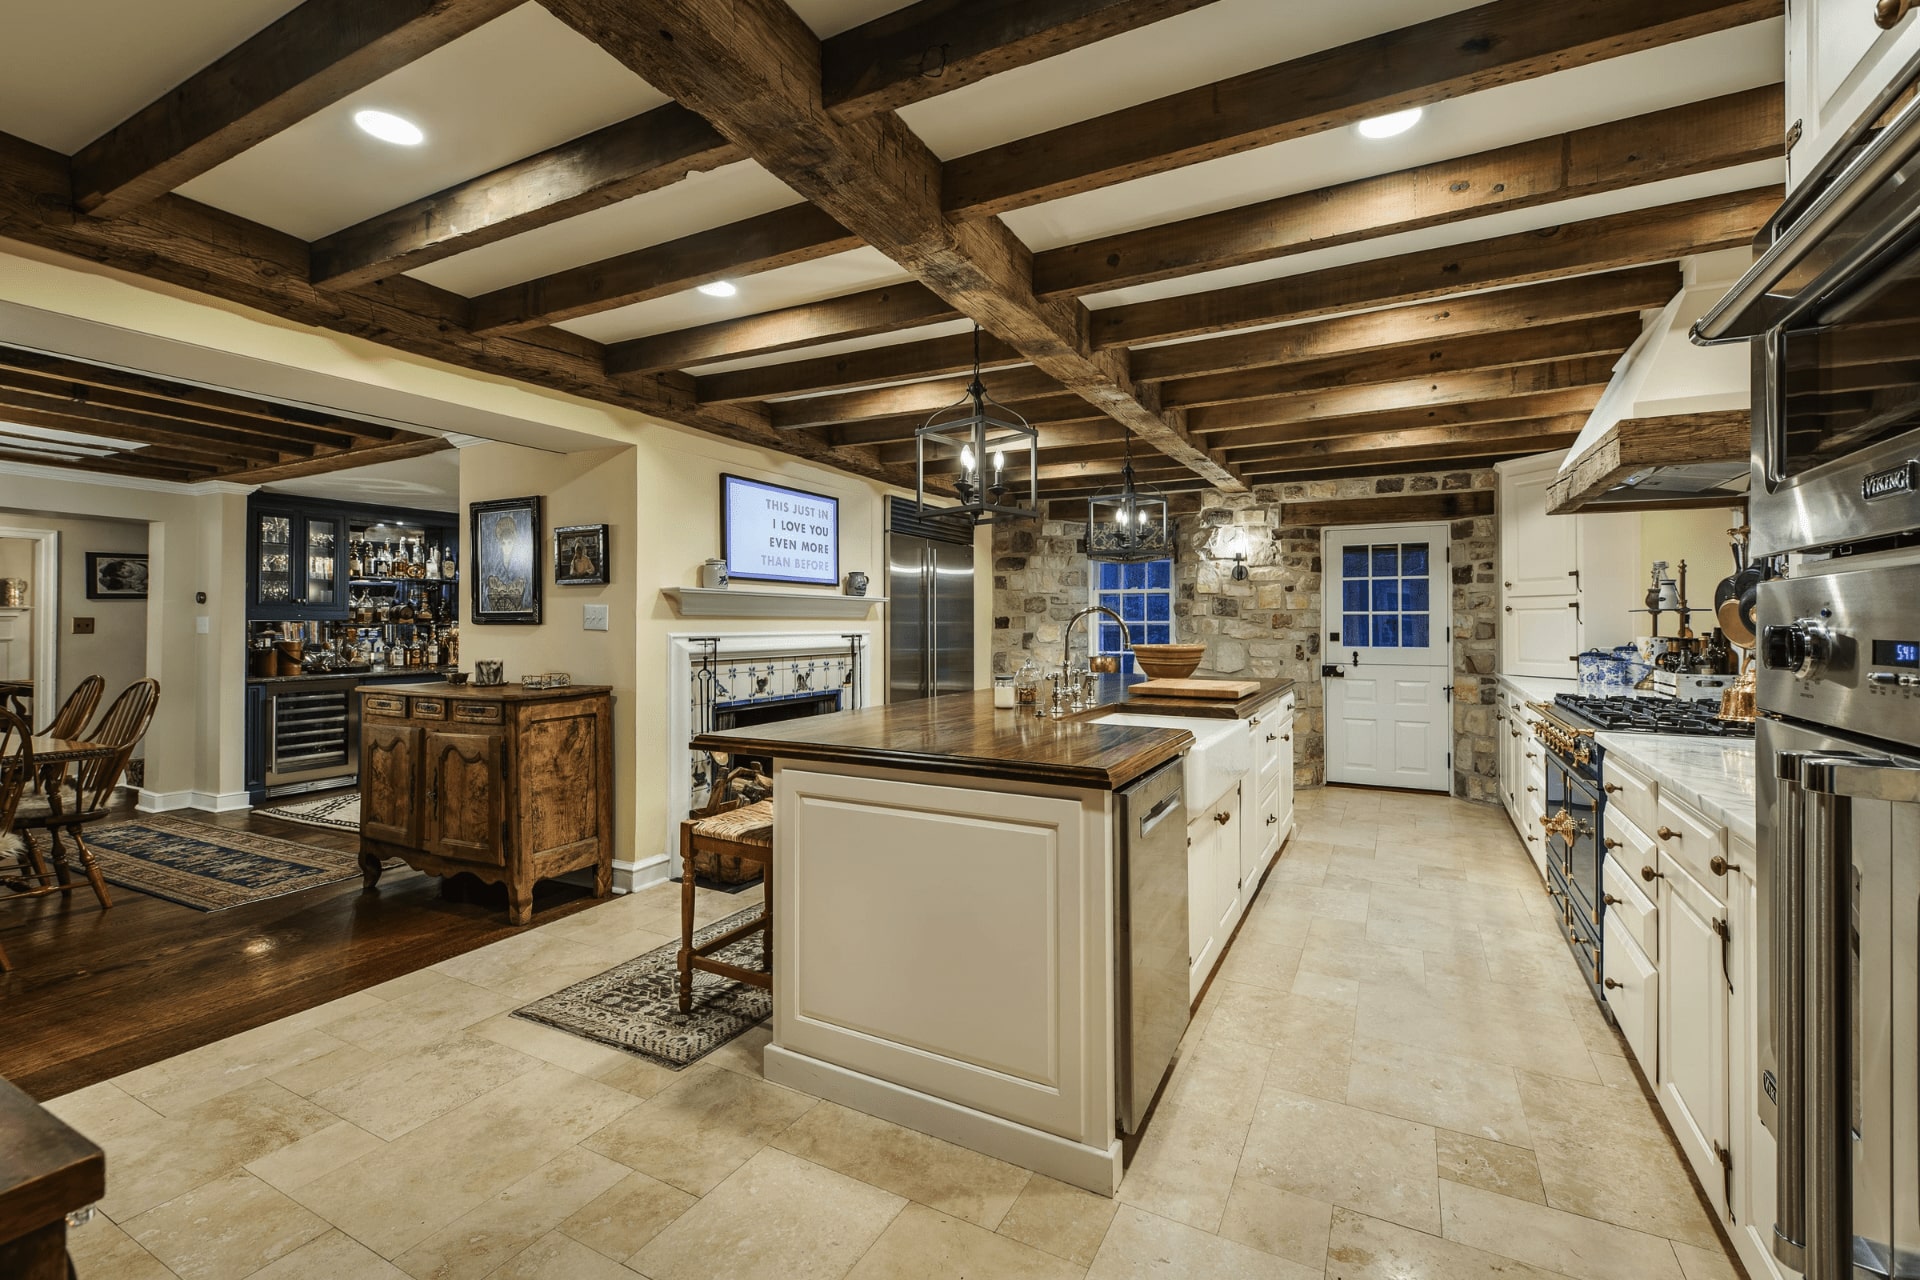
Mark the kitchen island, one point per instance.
(957, 945)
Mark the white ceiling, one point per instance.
(520, 84)
(431, 483)
(919, 333)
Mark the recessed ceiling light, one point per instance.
(389, 127)
(1389, 126)
(719, 288)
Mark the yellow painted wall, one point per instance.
(1699, 538)
(117, 649)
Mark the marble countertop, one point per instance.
(1539, 688)
(1714, 775)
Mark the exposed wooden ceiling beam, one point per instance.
(1065, 435)
(1446, 467)
(855, 315)
(905, 361)
(1046, 411)
(392, 451)
(1696, 138)
(211, 458)
(1362, 443)
(923, 398)
(31, 391)
(797, 233)
(1451, 504)
(937, 46)
(118, 465)
(1412, 457)
(307, 59)
(753, 71)
(1066, 491)
(41, 411)
(1248, 443)
(193, 246)
(1609, 336)
(1500, 43)
(1661, 234)
(1414, 393)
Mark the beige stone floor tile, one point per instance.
(1313, 1047)
(1547, 1002)
(399, 1195)
(224, 1229)
(744, 1053)
(1704, 1264)
(314, 1156)
(558, 1257)
(529, 965)
(192, 1078)
(480, 1240)
(330, 1011)
(925, 1244)
(430, 1010)
(1393, 928)
(1462, 966)
(310, 1077)
(153, 1163)
(104, 1112)
(700, 1129)
(404, 1092)
(1439, 1089)
(1277, 925)
(333, 1256)
(1491, 1166)
(1469, 1027)
(1278, 1222)
(1061, 1219)
(633, 1074)
(1362, 1160)
(1328, 903)
(952, 1179)
(1364, 1248)
(1616, 1072)
(1184, 1167)
(620, 1220)
(618, 925)
(1256, 962)
(1551, 1239)
(776, 1217)
(1363, 960)
(1318, 986)
(1604, 1155)
(1141, 1245)
(576, 1053)
(101, 1249)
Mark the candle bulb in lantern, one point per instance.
(966, 460)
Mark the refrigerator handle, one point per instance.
(929, 592)
(1788, 1014)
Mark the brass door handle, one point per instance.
(1887, 13)
(1667, 833)
(1612, 787)
(1532, 756)
(1720, 866)
(1650, 875)
(1509, 587)
(1223, 818)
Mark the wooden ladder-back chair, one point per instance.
(16, 777)
(727, 829)
(73, 713)
(92, 787)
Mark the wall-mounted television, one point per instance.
(770, 533)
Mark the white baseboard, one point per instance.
(163, 801)
(1071, 1162)
(630, 877)
(206, 801)
(222, 801)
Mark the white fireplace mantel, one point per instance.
(731, 602)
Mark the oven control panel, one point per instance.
(1844, 648)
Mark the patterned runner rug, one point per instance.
(336, 812)
(636, 1004)
(209, 868)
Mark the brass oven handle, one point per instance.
(1650, 875)
(1667, 833)
(1720, 866)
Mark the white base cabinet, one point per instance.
(1695, 1009)
(1233, 840)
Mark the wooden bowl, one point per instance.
(1169, 661)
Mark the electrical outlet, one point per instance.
(83, 626)
(595, 617)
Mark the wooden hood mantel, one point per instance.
(1635, 445)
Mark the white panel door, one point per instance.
(1389, 722)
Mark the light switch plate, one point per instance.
(203, 625)
(595, 617)
(83, 626)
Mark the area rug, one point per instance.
(337, 812)
(636, 1004)
(210, 868)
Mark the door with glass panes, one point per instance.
(1141, 593)
(1388, 654)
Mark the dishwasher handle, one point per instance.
(1158, 814)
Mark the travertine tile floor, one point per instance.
(1397, 1075)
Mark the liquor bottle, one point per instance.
(379, 650)
(449, 566)
(416, 652)
(433, 650)
(453, 645)
(383, 561)
(353, 560)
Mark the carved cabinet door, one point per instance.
(463, 802)
(389, 773)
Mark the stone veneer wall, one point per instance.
(1269, 625)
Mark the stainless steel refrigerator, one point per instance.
(929, 605)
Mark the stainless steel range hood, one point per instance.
(1672, 428)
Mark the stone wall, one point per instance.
(1268, 625)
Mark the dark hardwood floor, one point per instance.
(95, 993)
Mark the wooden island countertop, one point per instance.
(962, 733)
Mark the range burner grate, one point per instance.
(1651, 715)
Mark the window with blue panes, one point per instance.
(1385, 596)
(1141, 593)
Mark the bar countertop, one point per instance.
(1112, 693)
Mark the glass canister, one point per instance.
(1026, 684)
(1003, 692)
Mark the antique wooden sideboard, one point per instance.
(509, 784)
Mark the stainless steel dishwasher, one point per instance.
(1150, 937)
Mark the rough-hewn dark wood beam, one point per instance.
(1696, 138)
(1388, 443)
(797, 233)
(922, 398)
(1046, 411)
(1499, 43)
(1067, 436)
(307, 59)
(1414, 393)
(70, 415)
(367, 455)
(1661, 234)
(118, 465)
(902, 361)
(855, 315)
(1241, 444)
(752, 69)
(1634, 444)
(14, 434)
(1457, 504)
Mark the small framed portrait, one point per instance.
(580, 555)
(506, 560)
(116, 575)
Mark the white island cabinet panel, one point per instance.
(955, 943)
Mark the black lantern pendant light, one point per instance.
(996, 453)
(1129, 523)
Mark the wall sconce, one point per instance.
(1236, 540)
(1239, 566)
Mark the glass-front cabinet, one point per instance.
(325, 546)
(299, 562)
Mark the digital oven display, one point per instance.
(1896, 653)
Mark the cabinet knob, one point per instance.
(1286, 737)
(1615, 986)
(1667, 833)
(1612, 787)
(1887, 13)
(1533, 788)
(1509, 587)
(1611, 843)
(1609, 899)
(1273, 819)
(1223, 818)
(1509, 608)
(1650, 875)
(1720, 866)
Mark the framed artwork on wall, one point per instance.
(580, 555)
(116, 575)
(505, 542)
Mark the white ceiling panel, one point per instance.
(769, 291)
(1655, 80)
(431, 483)
(697, 202)
(831, 17)
(945, 329)
(72, 69)
(1719, 182)
(520, 84)
(1210, 43)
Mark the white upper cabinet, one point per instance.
(1838, 59)
(1566, 582)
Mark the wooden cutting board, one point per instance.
(1223, 689)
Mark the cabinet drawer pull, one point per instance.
(1650, 875)
(1533, 788)
(1271, 737)
(1887, 13)
(1286, 737)
(1615, 986)
(1667, 833)
(1612, 787)
(1720, 866)
(1223, 818)
(1611, 843)
(1609, 899)
(1273, 819)
(1509, 608)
